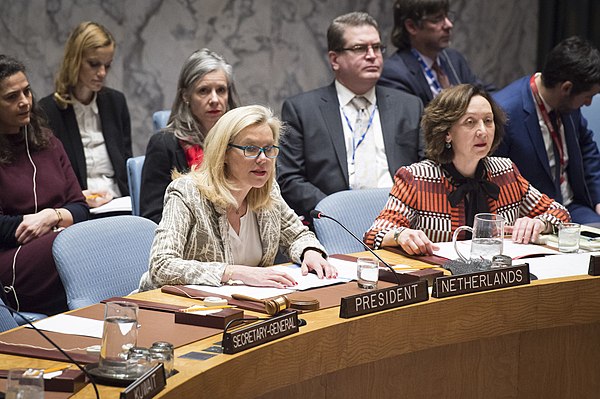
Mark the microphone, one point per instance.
(47, 338)
(315, 214)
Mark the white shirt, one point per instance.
(565, 188)
(246, 246)
(348, 114)
(100, 171)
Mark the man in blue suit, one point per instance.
(333, 143)
(423, 64)
(546, 135)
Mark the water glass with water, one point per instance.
(568, 237)
(367, 270)
(119, 335)
(25, 384)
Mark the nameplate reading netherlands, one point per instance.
(482, 281)
(382, 299)
(285, 323)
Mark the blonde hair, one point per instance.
(86, 36)
(212, 176)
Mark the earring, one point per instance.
(448, 144)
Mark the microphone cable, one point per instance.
(47, 338)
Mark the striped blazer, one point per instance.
(192, 243)
(419, 200)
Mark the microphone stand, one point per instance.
(315, 214)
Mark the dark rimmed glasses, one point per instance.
(252, 151)
(362, 49)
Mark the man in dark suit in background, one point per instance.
(423, 64)
(350, 134)
(546, 135)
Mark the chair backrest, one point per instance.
(7, 321)
(355, 209)
(160, 119)
(134, 181)
(592, 114)
(102, 258)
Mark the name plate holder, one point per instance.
(382, 299)
(283, 324)
(460, 284)
(148, 385)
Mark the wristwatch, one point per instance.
(397, 233)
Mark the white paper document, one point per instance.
(510, 248)
(311, 280)
(121, 204)
(254, 292)
(71, 325)
(563, 265)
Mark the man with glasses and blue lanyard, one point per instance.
(350, 134)
(423, 64)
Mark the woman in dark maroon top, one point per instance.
(39, 195)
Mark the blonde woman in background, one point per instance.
(90, 119)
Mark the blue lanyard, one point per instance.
(428, 71)
(362, 138)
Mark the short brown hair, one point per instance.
(445, 110)
(335, 33)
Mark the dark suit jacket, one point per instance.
(402, 71)
(523, 143)
(163, 154)
(312, 161)
(116, 129)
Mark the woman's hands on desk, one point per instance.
(258, 276)
(413, 242)
(526, 230)
(313, 260)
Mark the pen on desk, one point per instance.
(56, 368)
(203, 308)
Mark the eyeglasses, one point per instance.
(439, 19)
(362, 49)
(252, 151)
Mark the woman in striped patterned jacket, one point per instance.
(432, 198)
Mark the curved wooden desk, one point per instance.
(535, 341)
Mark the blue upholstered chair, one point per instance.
(7, 321)
(134, 181)
(355, 209)
(160, 119)
(592, 114)
(102, 258)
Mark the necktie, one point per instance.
(556, 141)
(441, 76)
(364, 170)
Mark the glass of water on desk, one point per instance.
(367, 270)
(25, 384)
(568, 237)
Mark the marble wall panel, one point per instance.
(277, 47)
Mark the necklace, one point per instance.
(239, 209)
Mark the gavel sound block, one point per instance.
(279, 303)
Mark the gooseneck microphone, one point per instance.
(47, 338)
(315, 214)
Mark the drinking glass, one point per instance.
(25, 384)
(367, 270)
(568, 237)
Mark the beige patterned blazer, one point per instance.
(192, 244)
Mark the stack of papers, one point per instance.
(511, 249)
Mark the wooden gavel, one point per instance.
(272, 306)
